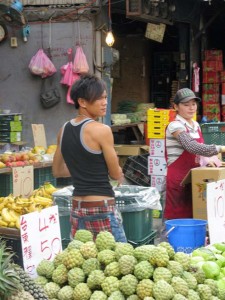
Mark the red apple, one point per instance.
(18, 156)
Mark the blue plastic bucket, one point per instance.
(185, 235)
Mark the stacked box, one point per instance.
(10, 128)
(211, 97)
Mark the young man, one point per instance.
(85, 151)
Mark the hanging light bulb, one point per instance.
(109, 36)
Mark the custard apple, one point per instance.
(95, 279)
(89, 250)
(65, 293)
(183, 258)
(180, 286)
(81, 292)
(169, 249)
(75, 276)
(127, 264)
(144, 288)
(90, 264)
(51, 289)
(143, 270)
(213, 286)
(117, 295)
(193, 295)
(41, 280)
(162, 290)
(98, 295)
(190, 279)
(175, 268)
(83, 235)
(45, 268)
(179, 297)
(162, 273)
(110, 284)
(112, 269)
(106, 256)
(59, 275)
(105, 240)
(143, 252)
(74, 244)
(128, 284)
(73, 258)
(159, 257)
(204, 292)
(122, 249)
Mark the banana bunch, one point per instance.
(12, 207)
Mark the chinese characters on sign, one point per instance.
(23, 182)
(215, 193)
(40, 237)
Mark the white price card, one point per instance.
(215, 199)
(23, 181)
(40, 238)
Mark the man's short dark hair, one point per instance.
(88, 87)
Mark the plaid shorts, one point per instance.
(96, 219)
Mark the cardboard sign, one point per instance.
(39, 135)
(215, 193)
(155, 32)
(40, 238)
(23, 181)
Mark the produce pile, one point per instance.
(103, 269)
(12, 207)
(25, 158)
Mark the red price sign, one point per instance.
(23, 181)
(40, 238)
(215, 199)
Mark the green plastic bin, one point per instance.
(133, 202)
(137, 225)
(6, 185)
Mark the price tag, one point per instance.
(39, 135)
(215, 193)
(40, 238)
(23, 181)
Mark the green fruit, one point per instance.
(219, 246)
(211, 269)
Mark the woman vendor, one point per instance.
(184, 148)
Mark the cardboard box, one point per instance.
(210, 88)
(159, 182)
(157, 147)
(124, 151)
(214, 55)
(212, 65)
(199, 177)
(157, 166)
(210, 77)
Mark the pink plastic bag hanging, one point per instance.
(75, 77)
(80, 64)
(41, 65)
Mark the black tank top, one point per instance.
(87, 167)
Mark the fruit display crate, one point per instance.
(6, 185)
(136, 170)
(43, 174)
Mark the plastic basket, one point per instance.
(6, 185)
(214, 133)
(137, 225)
(136, 170)
(64, 207)
(149, 240)
(43, 174)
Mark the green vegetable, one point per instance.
(219, 246)
(211, 269)
(207, 254)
